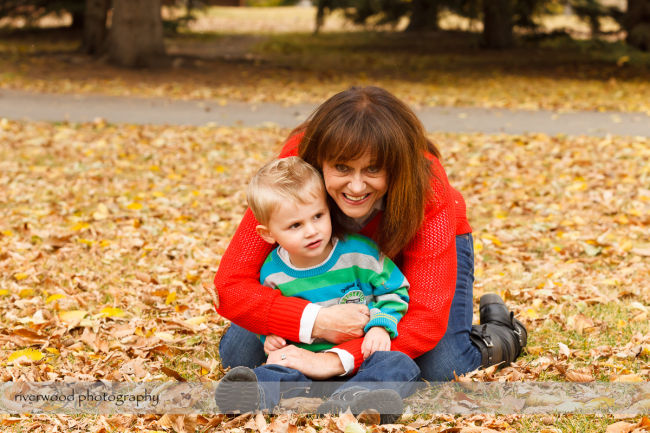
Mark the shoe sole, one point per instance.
(238, 392)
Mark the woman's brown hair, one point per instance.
(370, 119)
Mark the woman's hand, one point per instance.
(318, 366)
(341, 322)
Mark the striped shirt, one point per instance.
(354, 272)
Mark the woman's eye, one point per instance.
(341, 168)
(373, 169)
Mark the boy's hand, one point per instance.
(273, 342)
(376, 339)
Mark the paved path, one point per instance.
(82, 108)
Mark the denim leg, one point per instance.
(455, 352)
(241, 347)
(277, 382)
(386, 370)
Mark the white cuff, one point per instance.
(307, 323)
(346, 359)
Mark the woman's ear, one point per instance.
(265, 233)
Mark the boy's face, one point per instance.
(304, 230)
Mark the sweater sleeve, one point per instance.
(391, 297)
(242, 299)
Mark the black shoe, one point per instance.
(493, 310)
(238, 392)
(386, 402)
(500, 337)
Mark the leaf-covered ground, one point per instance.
(108, 235)
(244, 54)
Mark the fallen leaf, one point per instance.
(575, 376)
(72, 316)
(25, 356)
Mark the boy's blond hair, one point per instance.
(281, 180)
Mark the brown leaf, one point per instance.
(575, 376)
(620, 427)
(237, 422)
(213, 422)
(173, 374)
(369, 417)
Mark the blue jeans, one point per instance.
(393, 370)
(454, 352)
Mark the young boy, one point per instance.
(288, 198)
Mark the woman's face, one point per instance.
(355, 185)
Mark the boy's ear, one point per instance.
(265, 233)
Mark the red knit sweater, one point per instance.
(428, 261)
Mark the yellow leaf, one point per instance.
(158, 194)
(622, 60)
(104, 243)
(86, 242)
(26, 293)
(54, 297)
(492, 239)
(52, 350)
(191, 278)
(171, 297)
(134, 206)
(4, 292)
(20, 276)
(196, 320)
(220, 168)
(72, 316)
(7, 233)
(30, 354)
(531, 313)
(111, 312)
(80, 226)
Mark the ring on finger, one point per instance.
(283, 356)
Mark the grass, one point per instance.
(285, 63)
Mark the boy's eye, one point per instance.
(294, 226)
(318, 216)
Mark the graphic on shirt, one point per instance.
(353, 297)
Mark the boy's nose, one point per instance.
(310, 229)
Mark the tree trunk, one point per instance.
(136, 36)
(320, 14)
(637, 24)
(497, 24)
(424, 15)
(94, 35)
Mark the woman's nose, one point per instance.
(357, 185)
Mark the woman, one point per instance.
(384, 180)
